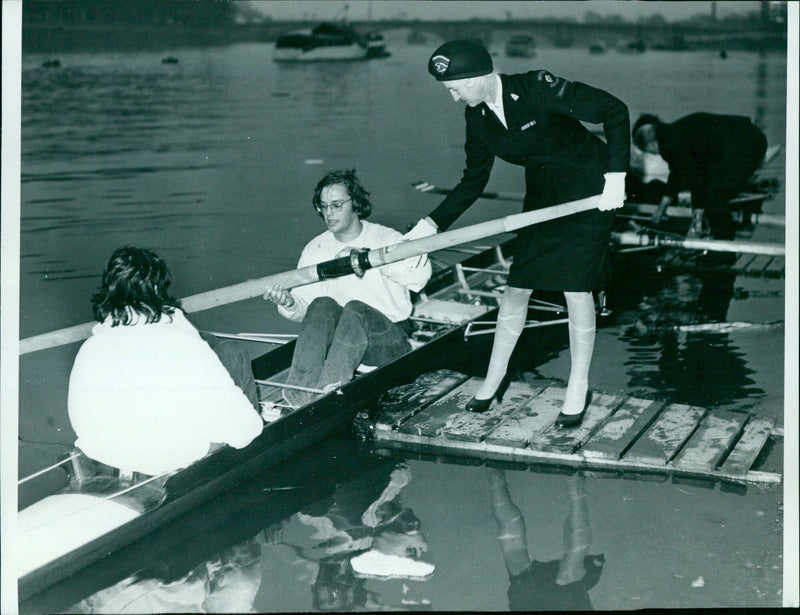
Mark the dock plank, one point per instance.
(399, 403)
(517, 429)
(776, 267)
(622, 428)
(711, 441)
(744, 262)
(666, 435)
(755, 436)
(558, 439)
(473, 426)
(431, 420)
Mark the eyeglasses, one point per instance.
(334, 206)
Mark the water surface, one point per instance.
(211, 162)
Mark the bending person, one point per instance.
(348, 320)
(146, 393)
(714, 156)
(534, 120)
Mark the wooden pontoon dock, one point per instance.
(619, 434)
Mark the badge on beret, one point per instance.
(548, 77)
(440, 63)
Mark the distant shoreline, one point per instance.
(71, 36)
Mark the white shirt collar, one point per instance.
(497, 104)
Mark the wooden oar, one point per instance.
(356, 263)
(631, 238)
(686, 212)
(644, 208)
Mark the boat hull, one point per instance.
(227, 467)
(338, 53)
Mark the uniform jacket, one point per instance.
(701, 147)
(545, 135)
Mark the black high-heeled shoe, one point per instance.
(573, 420)
(482, 405)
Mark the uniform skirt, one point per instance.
(566, 254)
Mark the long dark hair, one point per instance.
(357, 192)
(134, 280)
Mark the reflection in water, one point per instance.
(704, 368)
(320, 541)
(226, 584)
(549, 586)
(316, 545)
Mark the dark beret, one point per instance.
(459, 60)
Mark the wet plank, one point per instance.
(665, 437)
(558, 439)
(755, 436)
(529, 421)
(399, 403)
(776, 267)
(473, 427)
(622, 428)
(744, 262)
(431, 420)
(711, 441)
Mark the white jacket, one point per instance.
(384, 288)
(152, 397)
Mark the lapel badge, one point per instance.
(514, 97)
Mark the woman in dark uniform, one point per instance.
(534, 120)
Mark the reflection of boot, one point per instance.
(577, 532)
(511, 531)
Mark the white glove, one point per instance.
(423, 228)
(613, 196)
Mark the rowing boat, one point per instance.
(446, 317)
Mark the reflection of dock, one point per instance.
(619, 434)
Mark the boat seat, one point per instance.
(452, 312)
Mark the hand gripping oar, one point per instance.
(630, 238)
(358, 262)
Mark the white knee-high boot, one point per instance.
(510, 321)
(582, 327)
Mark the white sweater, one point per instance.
(384, 288)
(152, 397)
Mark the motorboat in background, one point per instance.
(329, 41)
(520, 46)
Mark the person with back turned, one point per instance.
(533, 120)
(146, 393)
(714, 156)
(349, 320)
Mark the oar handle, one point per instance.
(334, 268)
(630, 238)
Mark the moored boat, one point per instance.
(520, 46)
(329, 42)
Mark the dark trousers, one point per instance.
(334, 340)
(725, 181)
(236, 360)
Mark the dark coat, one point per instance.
(706, 148)
(563, 162)
(714, 156)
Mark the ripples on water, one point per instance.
(205, 162)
